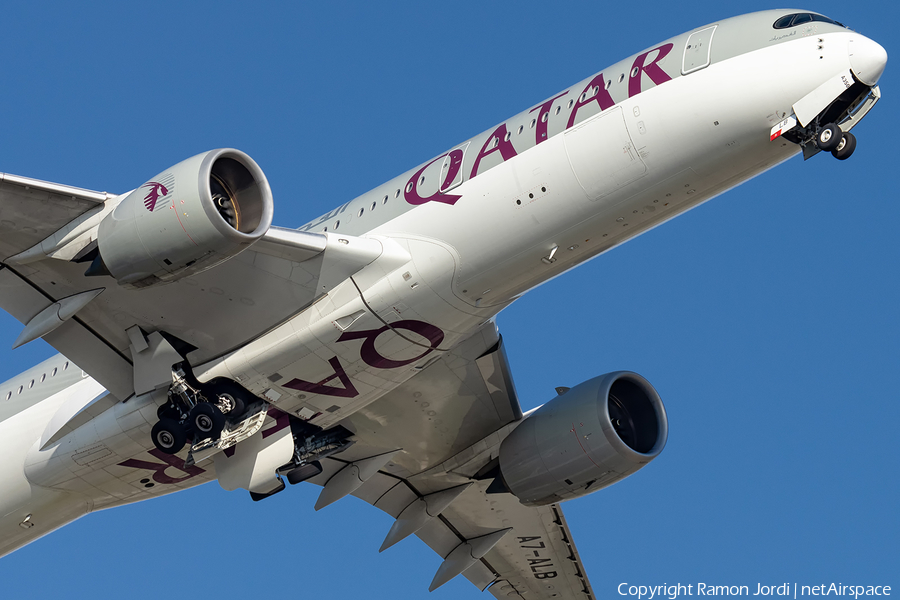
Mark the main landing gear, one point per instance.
(219, 414)
(196, 412)
(831, 138)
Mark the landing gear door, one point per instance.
(452, 169)
(696, 50)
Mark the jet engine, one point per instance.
(187, 219)
(585, 439)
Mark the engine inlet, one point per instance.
(632, 416)
(238, 195)
(224, 200)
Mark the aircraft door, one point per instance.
(696, 50)
(452, 168)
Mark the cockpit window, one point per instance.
(824, 19)
(784, 22)
(800, 18)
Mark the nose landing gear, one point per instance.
(831, 138)
(845, 147)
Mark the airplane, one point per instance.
(313, 375)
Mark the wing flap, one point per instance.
(73, 338)
(32, 210)
(538, 559)
(540, 556)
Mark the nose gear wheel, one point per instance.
(829, 138)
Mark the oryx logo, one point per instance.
(160, 192)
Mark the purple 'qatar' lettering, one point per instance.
(540, 132)
(504, 146)
(411, 194)
(282, 420)
(373, 358)
(159, 469)
(653, 70)
(157, 191)
(348, 391)
(602, 97)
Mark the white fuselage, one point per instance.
(524, 202)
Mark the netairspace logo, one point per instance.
(650, 592)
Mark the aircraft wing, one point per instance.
(536, 559)
(470, 405)
(45, 229)
(449, 419)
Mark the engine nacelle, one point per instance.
(187, 219)
(588, 438)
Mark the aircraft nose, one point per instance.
(867, 59)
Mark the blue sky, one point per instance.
(766, 319)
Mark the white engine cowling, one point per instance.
(187, 219)
(588, 438)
